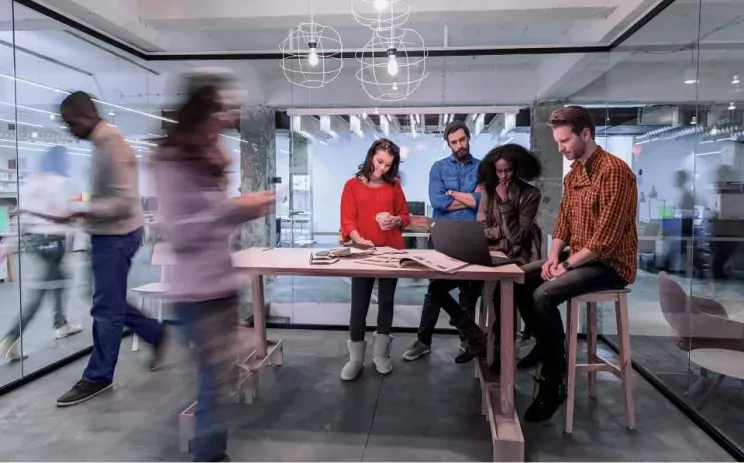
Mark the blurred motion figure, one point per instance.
(113, 217)
(197, 220)
(44, 193)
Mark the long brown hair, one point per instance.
(190, 131)
(383, 144)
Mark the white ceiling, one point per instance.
(648, 68)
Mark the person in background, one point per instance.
(113, 217)
(454, 195)
(197, 220)
(596, 218)
(373, 213)
(507, 210)
(682, 228)
(45, 192)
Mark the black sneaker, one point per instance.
(549, 399)
(464, 357)
(531, 361)
(158, 350)
(81, 392)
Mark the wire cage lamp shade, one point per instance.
(312, 55)
(387, 71)
(381, 15)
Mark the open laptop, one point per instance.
(464, 240)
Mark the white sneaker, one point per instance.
(10, 351)
(354, 366)
(68, 330)
(381, 353)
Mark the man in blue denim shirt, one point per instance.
(454, 195)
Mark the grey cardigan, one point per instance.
(197, 218)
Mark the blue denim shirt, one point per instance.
(451, 174)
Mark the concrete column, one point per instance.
(257, 168)
(301, 199)
(551, 181)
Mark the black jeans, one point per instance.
(537, 301)
(51, 250)
(361, 295)
(438, 297)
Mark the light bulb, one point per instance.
(381, 5)
(392, 66)
(312, 58)
(395, 85)
(735, 80)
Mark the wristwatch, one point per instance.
(566, 265)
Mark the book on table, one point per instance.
(431, 259)
(331, 256)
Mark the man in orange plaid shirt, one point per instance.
(596, 220)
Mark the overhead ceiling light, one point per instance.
(323, 43)
(732, 106)
(693, 121)
(111, 113)
(312, 57)
(381, 5)
(735, 80)
(392, 66)
(691, 76)
(21, 123)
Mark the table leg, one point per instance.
(488, 318)
(507, 349)
(259, 316)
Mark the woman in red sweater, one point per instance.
(373, 213)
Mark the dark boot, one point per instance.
(550, 397)
(475, 338)
(531, 360)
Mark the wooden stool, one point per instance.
(596, 363)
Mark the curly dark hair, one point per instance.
(383, 144)
(525, 164)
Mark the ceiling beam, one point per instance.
(564, 75)
(268, 11)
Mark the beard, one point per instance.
(461, 153)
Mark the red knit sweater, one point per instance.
(360, 204)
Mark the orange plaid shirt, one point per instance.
(598, 212)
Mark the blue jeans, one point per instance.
(213, 328)
(111, 259)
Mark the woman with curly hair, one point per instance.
(508, 208)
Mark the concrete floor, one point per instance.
(425, 411)
(325, 301)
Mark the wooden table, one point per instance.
(497, 395)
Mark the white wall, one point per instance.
(334, 164)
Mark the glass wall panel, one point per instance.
(715, 253)
(53, 266)
(11, 176)
(655, 71)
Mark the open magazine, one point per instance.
(432, 259)
(332, 256)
